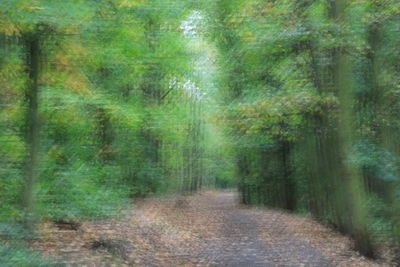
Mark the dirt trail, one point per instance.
(208, 229)
(247, 242)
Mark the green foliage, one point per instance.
(80, 192)
(15, 255)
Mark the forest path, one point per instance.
(207, 229)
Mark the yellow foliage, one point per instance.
(32, 8)
(62, 60)
(79, 84)
(9, 28)
(131, 3)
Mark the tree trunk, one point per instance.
(32, 48)
(352, 211)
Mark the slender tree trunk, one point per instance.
(32, 48)
(290, 189)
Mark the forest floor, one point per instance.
(207, 229)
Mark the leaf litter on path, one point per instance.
(206, 229)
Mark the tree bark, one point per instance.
(32, 128)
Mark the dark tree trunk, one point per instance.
(32, 48)
(290, 191)
(106, 135)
